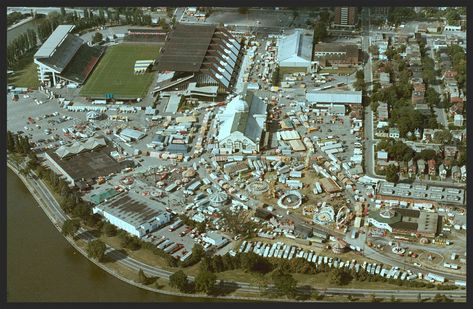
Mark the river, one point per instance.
(15, 32)
(43, 267)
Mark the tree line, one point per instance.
(20, 46)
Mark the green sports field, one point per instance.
(114, 73)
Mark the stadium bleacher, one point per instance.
(82, 64)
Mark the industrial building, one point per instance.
(405, 221)
(85, 161)
(133, 213)
(336, 54)
(203, 54)
(242, 124)
(419, 193)
(334, 97)
(65, 57)
(295, 51)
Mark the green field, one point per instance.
(26, 74)
(114, 73)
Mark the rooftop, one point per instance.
(54, 40)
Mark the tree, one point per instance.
(284, 283)
(243, 10)
(142, 278)
(179, 280)
(443, 137)
(441, 298)
(98, 37)
(96, 249)
(109, 229)
(205, 281)
(275, 78)
(392, 173)
(320, 31)
(70, 227)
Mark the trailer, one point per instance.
(170, 248)
(186, 256)
(175, 225)
(431, 276)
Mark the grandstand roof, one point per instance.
(82, 64)
(63, 53)
(54, 40)
(186, 48)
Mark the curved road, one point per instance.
(55, 209)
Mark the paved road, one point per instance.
(133, 264)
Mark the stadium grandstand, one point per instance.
(64, 56)
(145, 35)
(203, 54)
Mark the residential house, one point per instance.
(463, 173)
(384, 79)
(440, 45)
(421, 166)
(442, 171)
(456, 174)
(382, 164)
(450, 152)
(449, 74)
(458, 120)
(458, 135)
(432, 167)
(382, 155)
(394, 133)
(411, 167)
(417, 133)
(428, 135)
(383, 111)
(403, 168)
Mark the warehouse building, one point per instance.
(241, 125)
(203, 54)
(336, 54)
(65, 57)
(295, 51)
(408, 222)
(334, 97)
(81, 162)
(133, 213)
(419, 193)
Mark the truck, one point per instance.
(175, 225)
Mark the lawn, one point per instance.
(26, 74)
(114, 73)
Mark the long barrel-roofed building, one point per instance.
(204, 54)
(64, 56)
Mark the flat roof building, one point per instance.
(336, 54)
(334, 96)
(133, 213)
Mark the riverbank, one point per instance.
(21, 22)
(245, 291)
(49, 213)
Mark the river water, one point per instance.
(43, 267)
(15, 32)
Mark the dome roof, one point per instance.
(236, 105)
(387, 213)
(218, 197)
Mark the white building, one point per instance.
(334, 97)
(452, 28)
(215, 239)
(133, 213)
(394, 133)
(241, 125)
(295, 51)
(458, 120)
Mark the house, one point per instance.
(456, 174)
(382, 155)
(449, 73)
(384, 79)
(439, 45)
(463, 173)
(450, 152)
(382, 164)
(417, 97)
(432, 167)
(411, 167)
(394, 133)
(458, 135)
(421, 166)
(442, 171)
(383, 111)
(428, 135)
(458, 120)
(403, 167)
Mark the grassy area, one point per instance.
(341, 71)
(114, 73)
(25, 74)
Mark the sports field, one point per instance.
(114, 73)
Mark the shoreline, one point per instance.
(114, 273)
(21, 22)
